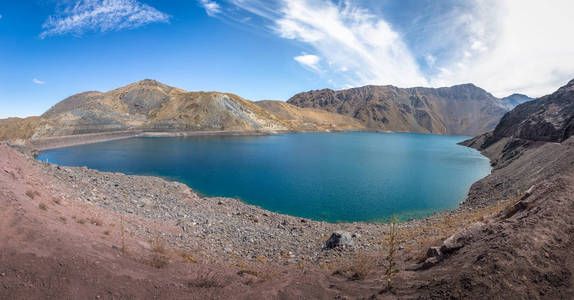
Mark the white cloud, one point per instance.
(38, 81)
(309, 60)
(211, 7)
(101, 15)
(350, 38)
(504, 46)
(530, 51)
(430, 59)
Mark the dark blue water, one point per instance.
(356, 176)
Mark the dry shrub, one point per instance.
(206, 280)
(42, 206)
(187, 257)
(81, 221)
(63, 220)
(107, 232)
(246, 270)
(420, 238)
(56, 201)
(158, 261)
(95, 221)
(362, 266)
(158, 246)
(32, 194)
(359, 269)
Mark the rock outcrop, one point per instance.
(549, 118)
(459, 110)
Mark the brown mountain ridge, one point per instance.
(151, 106)
(458, 110)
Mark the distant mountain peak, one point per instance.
(510, 102)
(151, 82)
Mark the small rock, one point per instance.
(145, 202)
(430, 262)
(433, 252)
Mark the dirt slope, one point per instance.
(309, 118)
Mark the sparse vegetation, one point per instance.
(419, 239)
(122, 234)
(187, 257)
(56, 201)
(206, 281)
(81, 221)
(362, 266)
(107, 232)
(95, 221)
(390, 269)
(42, 206)
(158, 246)
(159, 260)
(32, 194)
(63, 220)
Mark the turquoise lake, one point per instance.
(355, 176)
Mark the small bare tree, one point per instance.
(390, 270)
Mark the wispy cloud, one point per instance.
(102, 16)
(38, 81)
(527, 51)
(310, 61)
(211, 7)
(358, 47)
(504, 46)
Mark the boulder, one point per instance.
(339, 239)
(461, 238)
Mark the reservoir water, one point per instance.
(355, 176)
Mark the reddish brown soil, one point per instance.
(47, 253)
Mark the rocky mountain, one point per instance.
(309, 118)
(514, 100)
(459, 110)
(549, 118)
(149, 105)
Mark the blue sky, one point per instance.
(272, 49)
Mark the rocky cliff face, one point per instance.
(550, 118)
(460, 110)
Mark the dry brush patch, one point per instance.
(32, 194)
(419, 239)
(206, 280)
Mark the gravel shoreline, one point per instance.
(219, 228)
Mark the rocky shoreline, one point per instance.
(228, 229)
